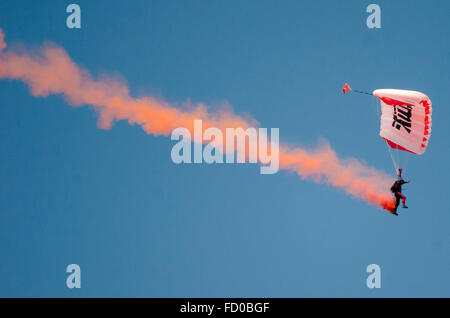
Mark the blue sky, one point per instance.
(113, 202)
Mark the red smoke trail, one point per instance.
(53, 72)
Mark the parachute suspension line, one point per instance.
(397, 152)
(404, 160)
(397, 158)
(394, 161)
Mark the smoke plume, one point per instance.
(51, 71)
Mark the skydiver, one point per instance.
(397, 190)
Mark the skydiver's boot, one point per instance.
(404, 206)
(395, 212)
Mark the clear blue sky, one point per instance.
(140, 226)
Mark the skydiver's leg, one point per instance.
(403, 199)
(397, 201)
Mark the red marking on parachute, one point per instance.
(425, 103)
(392, 102)
(395, 146)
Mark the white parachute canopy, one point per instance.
(405, 119)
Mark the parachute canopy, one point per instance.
(405, 119)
